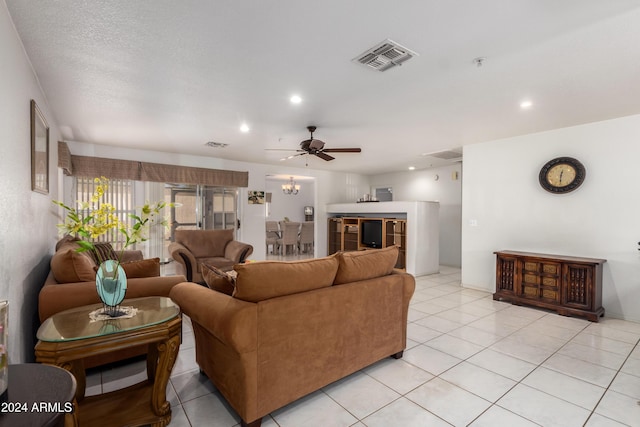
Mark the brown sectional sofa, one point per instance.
(290, 328)
(72, 283)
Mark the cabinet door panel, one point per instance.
(530, 291)
(506, 274)
(551, 294)
(578, 286)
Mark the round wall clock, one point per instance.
(562, 175)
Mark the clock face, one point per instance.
(562, 175)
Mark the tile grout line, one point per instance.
(567, 341)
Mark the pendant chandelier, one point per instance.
(291, 187)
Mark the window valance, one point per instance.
(87, 166)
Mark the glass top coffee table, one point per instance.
(67, 338)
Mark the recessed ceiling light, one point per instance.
(244, 128)
(526, 104)
(295, 99)
(411, 168)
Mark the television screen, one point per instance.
(371, 233)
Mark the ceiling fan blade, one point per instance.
(293, 155)
(282, 149)
(342, 150)
(324, 156)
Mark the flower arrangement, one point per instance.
(93, 219)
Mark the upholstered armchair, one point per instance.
(217, 248)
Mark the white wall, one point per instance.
(600, 219)
(331, 187)
(422, 186)
(288, 205)
(28, 226)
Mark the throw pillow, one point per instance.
(102, 252)
(142, 268)
(218, 280)
(70, 266)
(363, 265)
(263, 280)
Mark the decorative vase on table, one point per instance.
(111, 283)
(4, 356)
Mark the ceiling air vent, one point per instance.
(385, 55)
(216, 144)
(450, 155)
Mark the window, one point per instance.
(120, 194)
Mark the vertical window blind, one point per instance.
(120, 193)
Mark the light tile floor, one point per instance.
(470, 361)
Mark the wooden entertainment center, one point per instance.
(569, 285)
(413, 226)
(345, 235)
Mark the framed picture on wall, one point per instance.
(256, 197)
(39, 151)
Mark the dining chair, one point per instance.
(272, 236)
(305, 240)
(289, 232)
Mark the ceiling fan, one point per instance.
(315, 147)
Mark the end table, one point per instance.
(66, 338)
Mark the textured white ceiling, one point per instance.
(172, 75)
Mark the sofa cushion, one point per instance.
(218, 280)
(143, 268)
(363, 265)
(262, 280)
(205, 243)
(70, 266)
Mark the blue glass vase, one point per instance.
(111, 283)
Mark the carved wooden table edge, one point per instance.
(163, 340)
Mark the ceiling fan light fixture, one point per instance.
(316, 144)
(316, 147)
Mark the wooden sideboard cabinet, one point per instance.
(572, 286)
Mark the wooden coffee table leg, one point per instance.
(152, 361)
(167, 352)
(76, 367)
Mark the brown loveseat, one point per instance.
(217, 248)
(290, 328)
(72, 283)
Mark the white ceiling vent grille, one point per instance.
(214, 144)
(446, 155)
(385, 55)
(450, 155)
